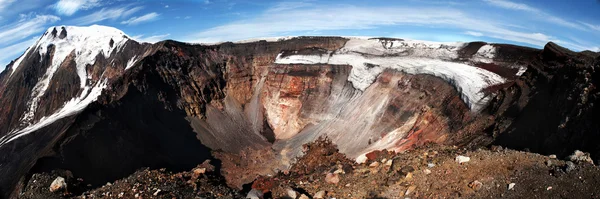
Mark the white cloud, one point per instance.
(141, 19)
(25, 28)
(207, 2)
(5, 3)
(166, 6)
(339, 17)
(512, 5)
(541, 15)
(473, 33)
(187, 17)
(591, 26)
(105, 14)
(150, 39)
(289, 5)
(69, 7)
(8, 53)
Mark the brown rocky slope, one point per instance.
(181, 104)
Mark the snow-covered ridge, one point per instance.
(75, 105)
(485, 54)
(85, 42)
(370, 57)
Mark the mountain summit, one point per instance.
(101, 105)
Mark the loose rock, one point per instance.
(319, 195)
(291, 193)
(569, 166)
(332, 178)
(410, 190)
(475, 185)
(579, 157)
(427, 171)
(58, 184)
(462, 159)
(511, 186)
(253, 194)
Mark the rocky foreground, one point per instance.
(427, 172)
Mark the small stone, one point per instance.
(579, 157)
(319, 195)
(409, 176)
(462, 159)
(475, 185)
(156, 193)
(548, 189)
(550, 163)
(511, 186)
(254, 194)
(374, 167)
(384, 160)
(552, 156)
(430, 165)
(291, 193)
(303, 197)
(410, 190)
(388, 163)
(338, 171)
(58, 184)
(108, 184)
(427, 171)
(374, 164)
(347, 185)
(137, 195)
(199, 171)
(569, 166)
(121, 195)
(332, 178)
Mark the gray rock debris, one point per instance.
(58, 184)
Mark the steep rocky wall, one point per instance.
(180, 104)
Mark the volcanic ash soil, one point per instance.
(427, 172)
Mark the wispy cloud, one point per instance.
(5, 3)
(541, 15)
(207, 2)
(473, 33)
(591, 26)
(10, 52)
(340, 17)
(512, 5)
(141, 19)
(289, 5)
(150, 39)
(69, 7)
(25, 28)
(106, 14)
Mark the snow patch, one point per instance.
(72, 107)
(522, 69)
(85, 42)
(369, 58)
(131, 62)
(485, 54)
(17, 63)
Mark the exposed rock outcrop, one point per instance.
(251, 107)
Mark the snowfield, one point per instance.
(72, 107)
(85, 42)
(370, 57)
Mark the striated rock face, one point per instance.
(94, 102)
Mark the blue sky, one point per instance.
(573, 24)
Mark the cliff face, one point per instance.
(252, 106)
